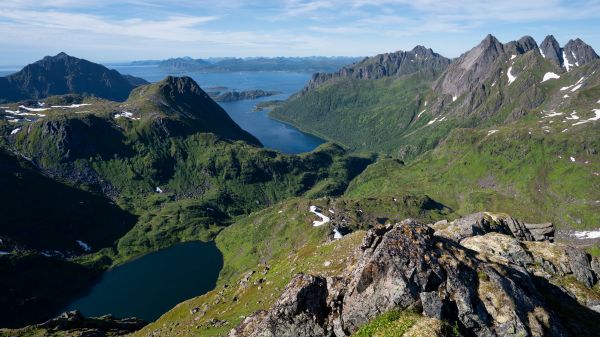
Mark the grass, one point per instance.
(518, 170)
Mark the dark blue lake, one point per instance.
(272, 134)
(154, 283)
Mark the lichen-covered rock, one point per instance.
(503, 247)
(300, 311)
(485, 222)
(408, 267)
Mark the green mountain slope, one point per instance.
(168, 164)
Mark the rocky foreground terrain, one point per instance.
(483, 275)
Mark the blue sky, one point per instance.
(110, 30)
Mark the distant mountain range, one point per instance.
(226, 64)
(64, 74)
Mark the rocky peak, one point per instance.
(180, 85)
(400, 63)
(471, 68)
(522, 46)
(578, 53)
(550, 50)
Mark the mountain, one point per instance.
(165, 166)
(295, 64)
(64, 74)
(397, 64)
(368, 105)
(376, 106)
(185, 108)
(501, 128)
(575, 53)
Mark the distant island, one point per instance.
(234, 96)
(267, 105)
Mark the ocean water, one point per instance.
(272, 133)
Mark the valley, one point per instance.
(459, 197)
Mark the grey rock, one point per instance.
(551, 50)
(397, 64)
(432, 304)
(300, 311)
(541, 232)
(580, 266)
(579, 53)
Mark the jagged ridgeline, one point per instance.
(112, 180)
(509, 127)
(404, 103)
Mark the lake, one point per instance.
(154, 283)
(272, 133)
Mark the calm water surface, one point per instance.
(154, 283)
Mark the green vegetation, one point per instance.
(391, 323)
(510, 171)
(359, 114)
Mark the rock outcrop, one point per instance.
(485, 277)
(483, 222)
(73, 323)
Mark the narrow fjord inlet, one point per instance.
(436, 173)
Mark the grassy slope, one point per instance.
(359, 114)
(282, 238)
(509, 171)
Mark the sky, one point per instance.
(114, 31)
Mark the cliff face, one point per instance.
(485, 274)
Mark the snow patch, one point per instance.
(84, 245)
(72, 106)
(33, 109)
(491, 132)
(511, 78)
(158, 190)
(592, 119)
(566, 96)
(542, 53)
(572, 159)
(549, 76)
(587, 234)
(316, 211)
(454, 98)
(420, 113)
(126, 114)
(566, 63)
(15, 131)
(552, 114)
(336, 234)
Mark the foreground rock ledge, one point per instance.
(488, 275)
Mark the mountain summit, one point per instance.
(179, 106)
(64, 74)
